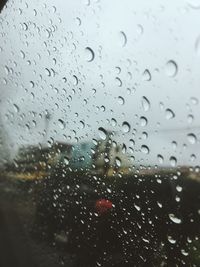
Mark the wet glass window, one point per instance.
(99, 133)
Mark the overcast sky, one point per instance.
(94, 64)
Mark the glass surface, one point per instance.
(100, 133)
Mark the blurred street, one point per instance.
(17, 245)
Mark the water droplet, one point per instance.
(121, 100)
(140, 29)
(160, 159)
(89, 54)
(82, 124)
(118, 70)
(144, 135)
(137, 207)
(145, 103)
(7, 71)
(179, 188)
(47, 71)
(25, 26)
(126, 127)
(78, 21)
(123, 39)
(194, 100)
(193, 157)
(174, 145)
(145, 149)
(113, 122)
(169, 114)
(16, 108)
(171, 68)
(161, 105)
(143, 121)
(66, 161)
(118, 161)
(190, 118)
(75, 80)
(22, 54)
(174, 219)
(197, 46)
(192, 138)
(102, 133)
(146, 75)
(118, 81)
(173, 161)
(32, 84)
(184, 253)
(194, 4)
(159, 204)
(61, 124)
(171, 240)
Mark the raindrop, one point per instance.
(118, 81)
(78, 21)
(7, 71)
(61, 124)
(171, 240)
(160, 159)
(174, 145)
(75, 80)
(66, 161)
(118, 70)
(192, 138)
(22, 54)
(171, 68)
(102, 133)
(173, 161)
(161, 105)
(89, 54)
(140, 29)
(47, 71)
(145, 149)
(54, 9)
(25, 26)
(159, 204)
(169, 114)
(145, 103)
(184, 253)
(197, 46)
(144, 135)
(143, 121)
(179, 188)
(126, 127)
(82, 124)
(118, 161)
(123, 39)
(32, 84)
(174, 219)
(137, 207)
(113, 122)
(194, 4)
(193, 157)
(194, 100)
(146, 75)
(121, 100)
(16, 108)
(190, 118)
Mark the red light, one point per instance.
(102, 206)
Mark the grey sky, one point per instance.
(131, 35)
